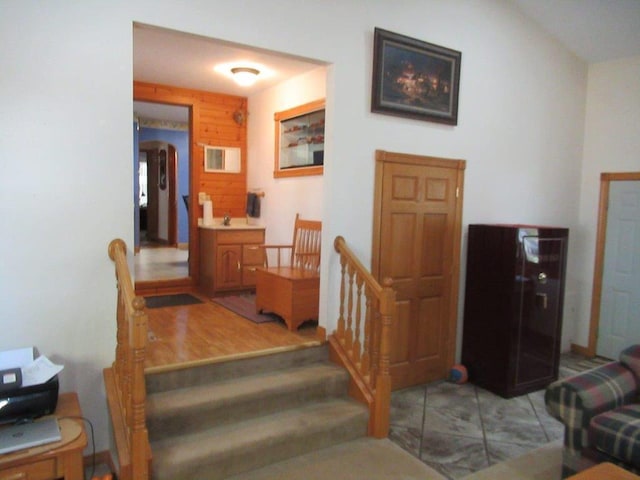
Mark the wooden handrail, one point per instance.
(124, 380)
(361, 341)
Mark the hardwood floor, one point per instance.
(208, 332)
(160, 263)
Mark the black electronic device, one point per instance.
(10, 379)
(29, 402)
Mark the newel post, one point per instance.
(139, 434)
(383, 380)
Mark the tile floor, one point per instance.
(460, 429)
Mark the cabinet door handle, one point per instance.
(254, 248)
(238, 265)
(252, 269)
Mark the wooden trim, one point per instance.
(425, 160)
(321, 333)
(172, 172)
(118, 423)
(455, 264)
(601, 239)
(377, 215)
(194, 207)
(362, 340)
(128, 382)
(358, 389)
(580, 350)
(164, 287)
(202, 130)
(286, 115)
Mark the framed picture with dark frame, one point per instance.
(414, 79)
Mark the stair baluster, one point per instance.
(370, 382)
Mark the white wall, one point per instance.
(66, 92)
(612, 144)
(284, 197)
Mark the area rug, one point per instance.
(171, 300)
(245, 306)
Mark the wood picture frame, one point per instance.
(299, 140)
(414, 79)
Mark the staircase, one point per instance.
(218, 420)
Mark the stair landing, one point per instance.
(188, 335)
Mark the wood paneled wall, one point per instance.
(212, 123)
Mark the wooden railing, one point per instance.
(361, 342)
(124, 380)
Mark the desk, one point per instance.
(604, 470)
(62, 459)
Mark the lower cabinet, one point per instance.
(229, 258)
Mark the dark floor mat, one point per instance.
(171, 300)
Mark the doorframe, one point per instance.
(598, 270)
(172, 173)
(168, 286)
(172, 185)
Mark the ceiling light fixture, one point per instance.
(245, 76)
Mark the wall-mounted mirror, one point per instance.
(222, 159)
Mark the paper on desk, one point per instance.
(39, 371)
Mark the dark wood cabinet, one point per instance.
(513, 306)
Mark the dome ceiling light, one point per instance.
(245, 76)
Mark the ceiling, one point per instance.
(184, 60)
(595, 30)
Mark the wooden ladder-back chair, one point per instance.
(290, 286)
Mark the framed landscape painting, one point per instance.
(414, 79)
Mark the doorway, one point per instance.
(616, 279)
(416, 243)
(214, 118)
(162, 185)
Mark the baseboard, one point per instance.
(99, 458)
(183, 246)
(580, 350)
(165, 287)
(321, 333)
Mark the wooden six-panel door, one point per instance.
(417, 226)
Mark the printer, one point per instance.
(24, 403)
(28, 388)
